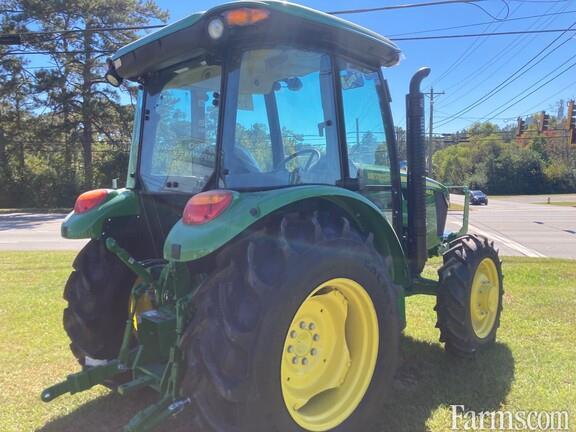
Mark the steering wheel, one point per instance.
(312, 159)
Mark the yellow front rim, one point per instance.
(485, 298)
(330, 354)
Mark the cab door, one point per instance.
(369, 138)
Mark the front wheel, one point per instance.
(299, 332)
(469, 301)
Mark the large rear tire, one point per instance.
(97, 292)
(245, 335)
(469, 301)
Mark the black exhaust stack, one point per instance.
(416, 153)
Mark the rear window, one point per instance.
(284, 122)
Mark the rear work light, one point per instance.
(88, 200)
(245, 16)
(206, 206)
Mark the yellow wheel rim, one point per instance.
(484, 298)
(330, 354)
(142, 304)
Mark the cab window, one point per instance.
(284, 130)
(366, 143)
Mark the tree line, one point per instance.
(62, 128)
(498, 161)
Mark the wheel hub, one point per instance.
(317, 356)
(329, 355)
(484, 298)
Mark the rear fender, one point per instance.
(119, 202)
(192, 242)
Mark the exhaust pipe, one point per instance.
(416, 154)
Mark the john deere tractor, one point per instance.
(254, 269)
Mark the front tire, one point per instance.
(246, 331)
(469, 301)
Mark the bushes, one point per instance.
(489, 163)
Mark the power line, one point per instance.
(535, 90)
(477, 43)
(511, 78)
(483, 23)
(459, 36)
(507, 54)
(481, 118)
(539, 104)
(86, 30)
(563, 31)
(431, 95)
(158, 26)
(416, 5)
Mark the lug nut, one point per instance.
(302, 325)
(311, 326)
(316, 337)
(304, 361)
(294, 360)
(293, 334)
(290, 349)
(313, 351)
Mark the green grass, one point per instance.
(559, 203)
(455, 207)
(530, 368)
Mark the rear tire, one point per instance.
(469, 301)
(98, 293)
(243, 312)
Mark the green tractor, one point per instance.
(254, 269)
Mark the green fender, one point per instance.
(191, 242)
(119, 202)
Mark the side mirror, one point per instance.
(112, 76)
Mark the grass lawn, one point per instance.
(559, 203)
(455, 207)
(532, 367)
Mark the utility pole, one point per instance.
(431, 95)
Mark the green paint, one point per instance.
(119, 202)
(83, 380)
(286, 8)
(197, 241)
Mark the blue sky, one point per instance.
(487, 61)
(468, 68)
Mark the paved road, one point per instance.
(516, 224)
(31, 231)
(522, 226)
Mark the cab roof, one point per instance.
(288, 22)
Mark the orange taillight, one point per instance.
(88, 200)
(245, 16)
(206, 206)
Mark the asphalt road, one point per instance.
(33, 231)
(518, 225)
(523, 226)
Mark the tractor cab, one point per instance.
(269, 95)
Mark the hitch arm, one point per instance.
(83, 380)
(141, 271)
